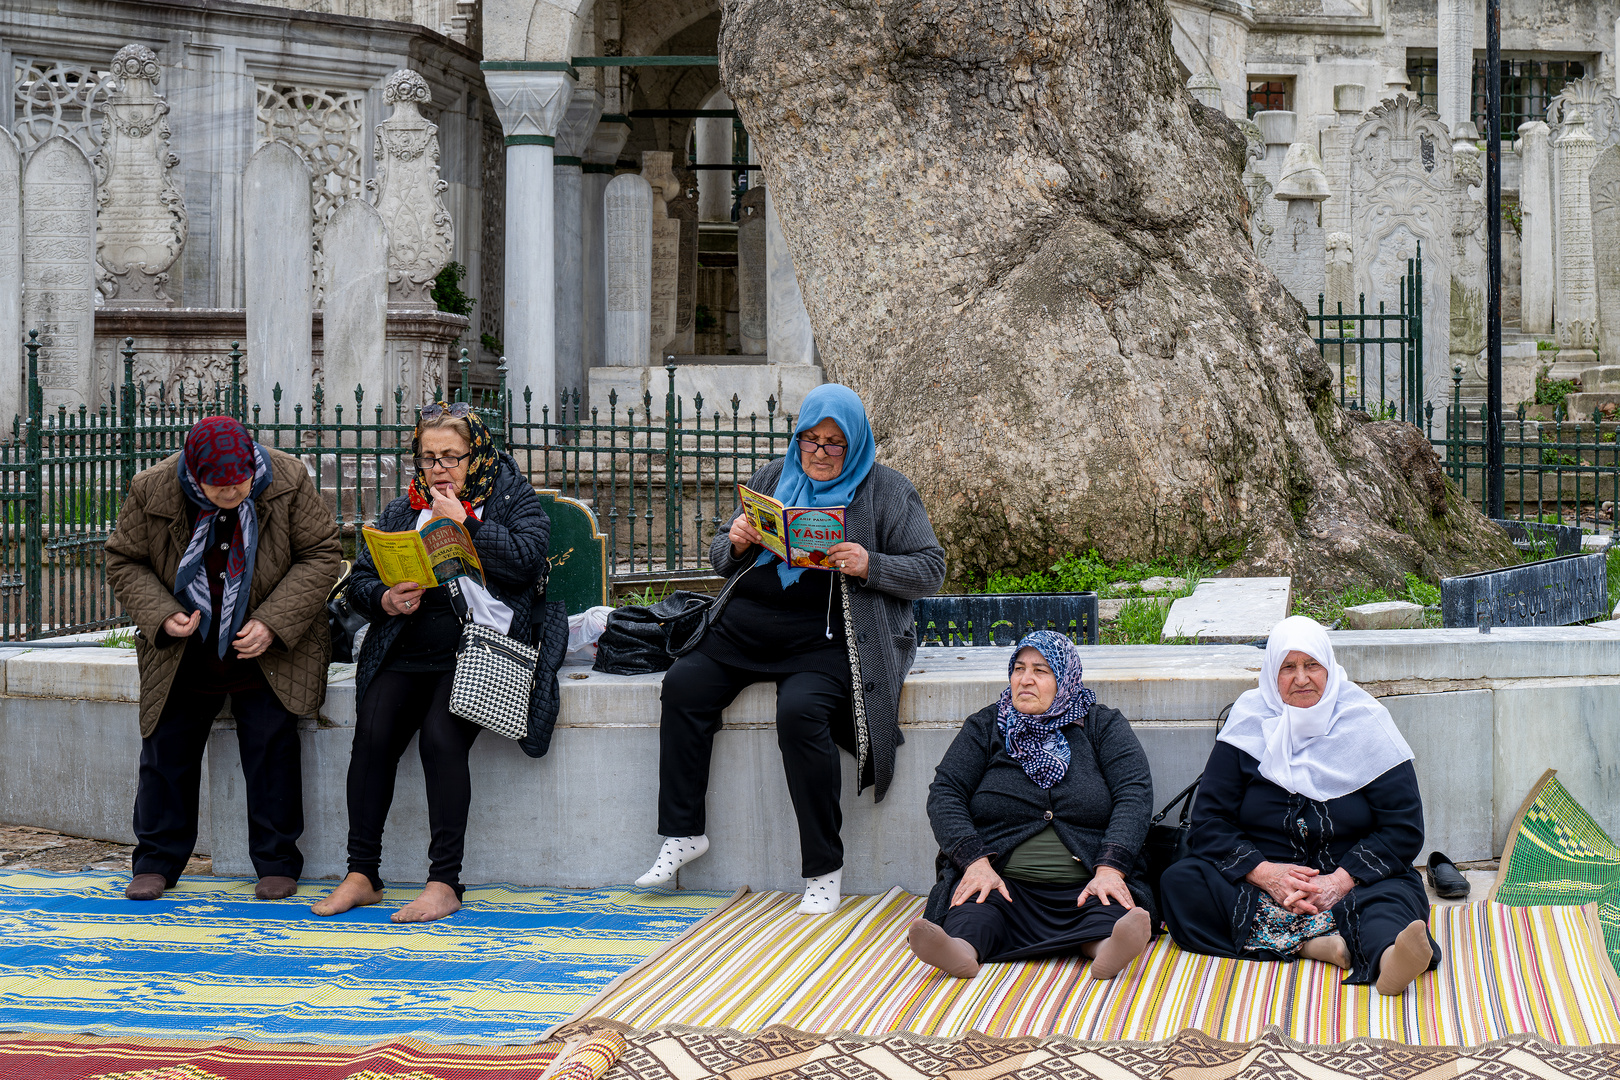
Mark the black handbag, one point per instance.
(644, 640)
(343, 622)
(1167, 844)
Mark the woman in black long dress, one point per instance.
(1307, 823)
(1040, 807)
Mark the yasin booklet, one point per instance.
(798, 535)
(436, 553)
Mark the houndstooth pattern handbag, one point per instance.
(494, 675)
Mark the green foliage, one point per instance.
(1421, 592)
(125, 639)
(1550, 456)
(646, 597)
(1085, 573)
(706, 322)
(1614, 577)
(447, 292)
(1514, 216)
(1381, 410)
(1546, 346)
(1141, 619)
(1328, 608)
(491, 342)
(1551, 391)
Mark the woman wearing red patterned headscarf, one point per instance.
(223, 558)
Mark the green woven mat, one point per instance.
(1558, 856)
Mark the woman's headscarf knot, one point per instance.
(220, 453)
(482, 469)
(1037, 742)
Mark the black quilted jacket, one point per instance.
(513, 535)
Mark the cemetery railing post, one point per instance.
(33, 576)
(126, 419)
(1496, 475)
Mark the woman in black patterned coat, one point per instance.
(837, 642)
(407, 662)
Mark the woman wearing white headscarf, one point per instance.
(1306, 826)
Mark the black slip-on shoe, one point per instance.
(1447, 880)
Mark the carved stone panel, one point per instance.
(1605, 197)
(665, 286)
(11, 281)
(627, 210)
(408, 193)
(1576, 308)
(141, 217)
(59, 243)
(1597, 107)
(58, 98)
(752, 275)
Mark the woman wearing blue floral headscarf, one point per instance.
(837, 642)
(1040, 807)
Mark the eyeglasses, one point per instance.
(446, 463)
(810, 446)
(457, 410)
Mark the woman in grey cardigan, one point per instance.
(837, 644)
(1040, 807)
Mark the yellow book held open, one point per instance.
(430, 556)
(798, 535)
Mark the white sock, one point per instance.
(821, 894)
(676, 853)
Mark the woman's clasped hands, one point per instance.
(1301, 889)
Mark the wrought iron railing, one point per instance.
(661, 485)
(1376, 356)
(1561, 469)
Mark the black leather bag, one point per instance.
(1167, 844)
(343, 622)
(644, 640)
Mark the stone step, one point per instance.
(1236, 610)
(1601, 379)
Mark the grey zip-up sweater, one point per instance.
(887, 518)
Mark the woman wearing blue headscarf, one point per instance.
(837, 644)
(1040, 807)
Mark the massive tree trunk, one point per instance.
(1025, 245)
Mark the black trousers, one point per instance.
(171, 771)
(398, 705)
(1042, 920)
(1208, 914)
(811, 707)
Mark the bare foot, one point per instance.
(352, 892)
(437, 901)
(933, 946)
(1405, 960)
(1125, 944)
(1329, 949)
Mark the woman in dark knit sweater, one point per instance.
(1040, 807)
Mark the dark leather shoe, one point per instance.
(145, 887)
(1447, 880)
(274, 887)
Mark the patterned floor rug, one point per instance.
(77, 1057)
(780, 1052)
(1557, 855)
(209, 962)
(1507, 971)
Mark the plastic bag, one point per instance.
(583, 630)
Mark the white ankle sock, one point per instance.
(821, 894)
(676, 853)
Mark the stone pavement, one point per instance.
(23, 847)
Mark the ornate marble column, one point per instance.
(573, 135)
(1456, 64)
(531, 98)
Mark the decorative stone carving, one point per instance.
(685, 210)
(58, 99)
(325, 128)
(753, 324)
(601, 156)
(628, 230)
(1576, 309)
(355, 320)
(1277, 131)
(492, 240)
(1468, 273)
(1340, 285)
(1299, 256)
(141, 217)
(280, 289)
(59, 242)
(1605, 198)
(1598, 108)
(1348, 101)
(1536, 229)
(1256, 186)
(12, 401)
(1404, 187)
(1206, 89)
(408, 193)
(1456, 63)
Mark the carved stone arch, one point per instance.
(650, 23)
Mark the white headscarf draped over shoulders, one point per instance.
(1339, 745)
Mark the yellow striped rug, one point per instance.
(1506, 971)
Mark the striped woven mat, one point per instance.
(208, 961)
(1506, 971)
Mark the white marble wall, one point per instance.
(791, 338)
(279, 288)
(13, 368)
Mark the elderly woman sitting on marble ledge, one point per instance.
(1040, 807)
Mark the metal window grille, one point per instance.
(1528, 86)
(1268, 94)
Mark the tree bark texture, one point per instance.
(1026, 246)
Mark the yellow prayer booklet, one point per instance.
(798, 535)
(439, 551)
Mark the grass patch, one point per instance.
(1551, 391)
(1328, 608)
(1141, 619)
(125, 639)
(1089, 573)
(1614, 577)
(646, 597)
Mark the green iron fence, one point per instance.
(1559, 469)
(661, 486)
(1377, 356)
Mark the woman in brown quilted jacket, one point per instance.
(223, 559)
